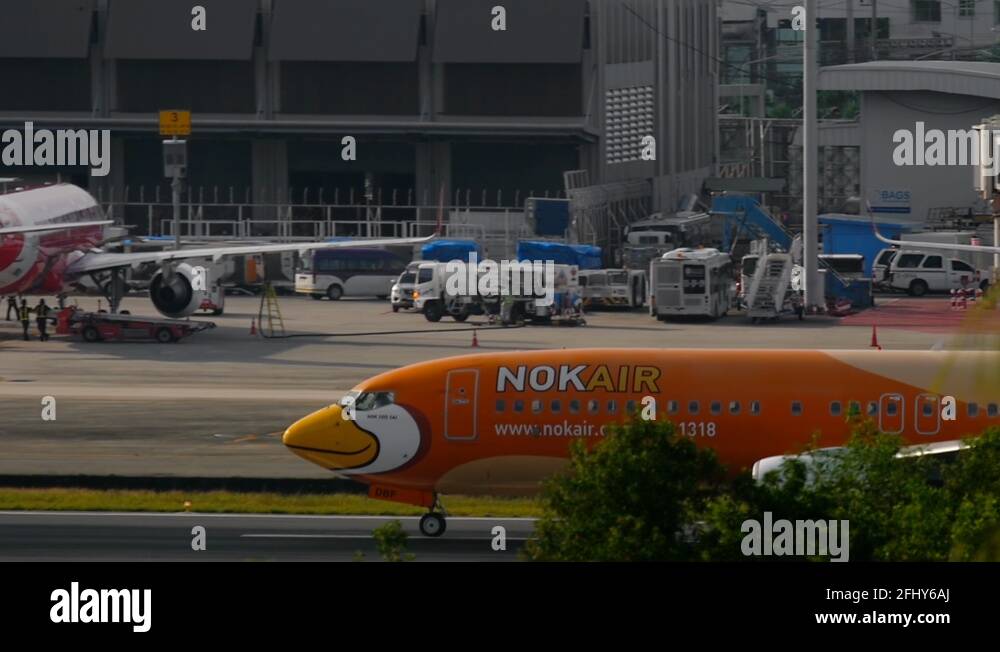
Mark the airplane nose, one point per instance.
(311, 431)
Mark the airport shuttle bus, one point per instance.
(500, 423)
(690, 282)
(338, 273)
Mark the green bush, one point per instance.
(645, 493)
(629, 498)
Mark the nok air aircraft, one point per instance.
(500, 423)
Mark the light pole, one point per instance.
(810, 236)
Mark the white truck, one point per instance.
(504, 297)
(920, 272)
(883, 260)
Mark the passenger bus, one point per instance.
(338, 273)
(691, 282)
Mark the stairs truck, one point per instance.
(771, 292)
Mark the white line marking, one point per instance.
(272, 516)
(360, 536)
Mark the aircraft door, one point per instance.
(927, 414)
(890, 413)
(460, 409)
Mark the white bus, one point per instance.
(691, 282)
(349, 272)
(613, 288)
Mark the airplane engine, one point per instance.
(178, 297)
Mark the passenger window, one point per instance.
(872, 408)
(519, 406)
(835, 408)
(630, 407)
(892, 408)
(991, 410)
(716, 407)
(556, 406)
(612, 407)
(593, 407)
(536, 406)
(734, 407)
(972, 409)
(933, 262)
(574, 407)
(694, 407)
(927, 409)
(796, 408)
(501, 405)
(673, 407)
(755, 408)
(855, 408)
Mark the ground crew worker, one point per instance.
(42, 319)
(11, 306)
(25, 314)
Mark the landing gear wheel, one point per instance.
(432, 524)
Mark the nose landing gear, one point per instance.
(433, 524)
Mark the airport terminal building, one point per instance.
(438, 100)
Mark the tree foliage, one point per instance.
(645, 493)
(627, 499)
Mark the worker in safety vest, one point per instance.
(24, 313)
(42, 319)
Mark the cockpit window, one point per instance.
(372, 400)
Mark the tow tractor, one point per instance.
(102, 326)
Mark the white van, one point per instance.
(920, 272)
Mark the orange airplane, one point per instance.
(500, 423)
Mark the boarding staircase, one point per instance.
(743, 213)
(771, 287)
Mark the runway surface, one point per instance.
(215, 405)
(100, 536)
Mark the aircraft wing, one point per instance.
(11, 230)
(913, 244)
(764, 466)
(96, 262)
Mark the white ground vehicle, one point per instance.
(920, 272)
(431, 296)
(613, 287)
(691, 282)
(337, 273)
(401, 295)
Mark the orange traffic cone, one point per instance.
(253, 327)
(875, 344)
(475, 339)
